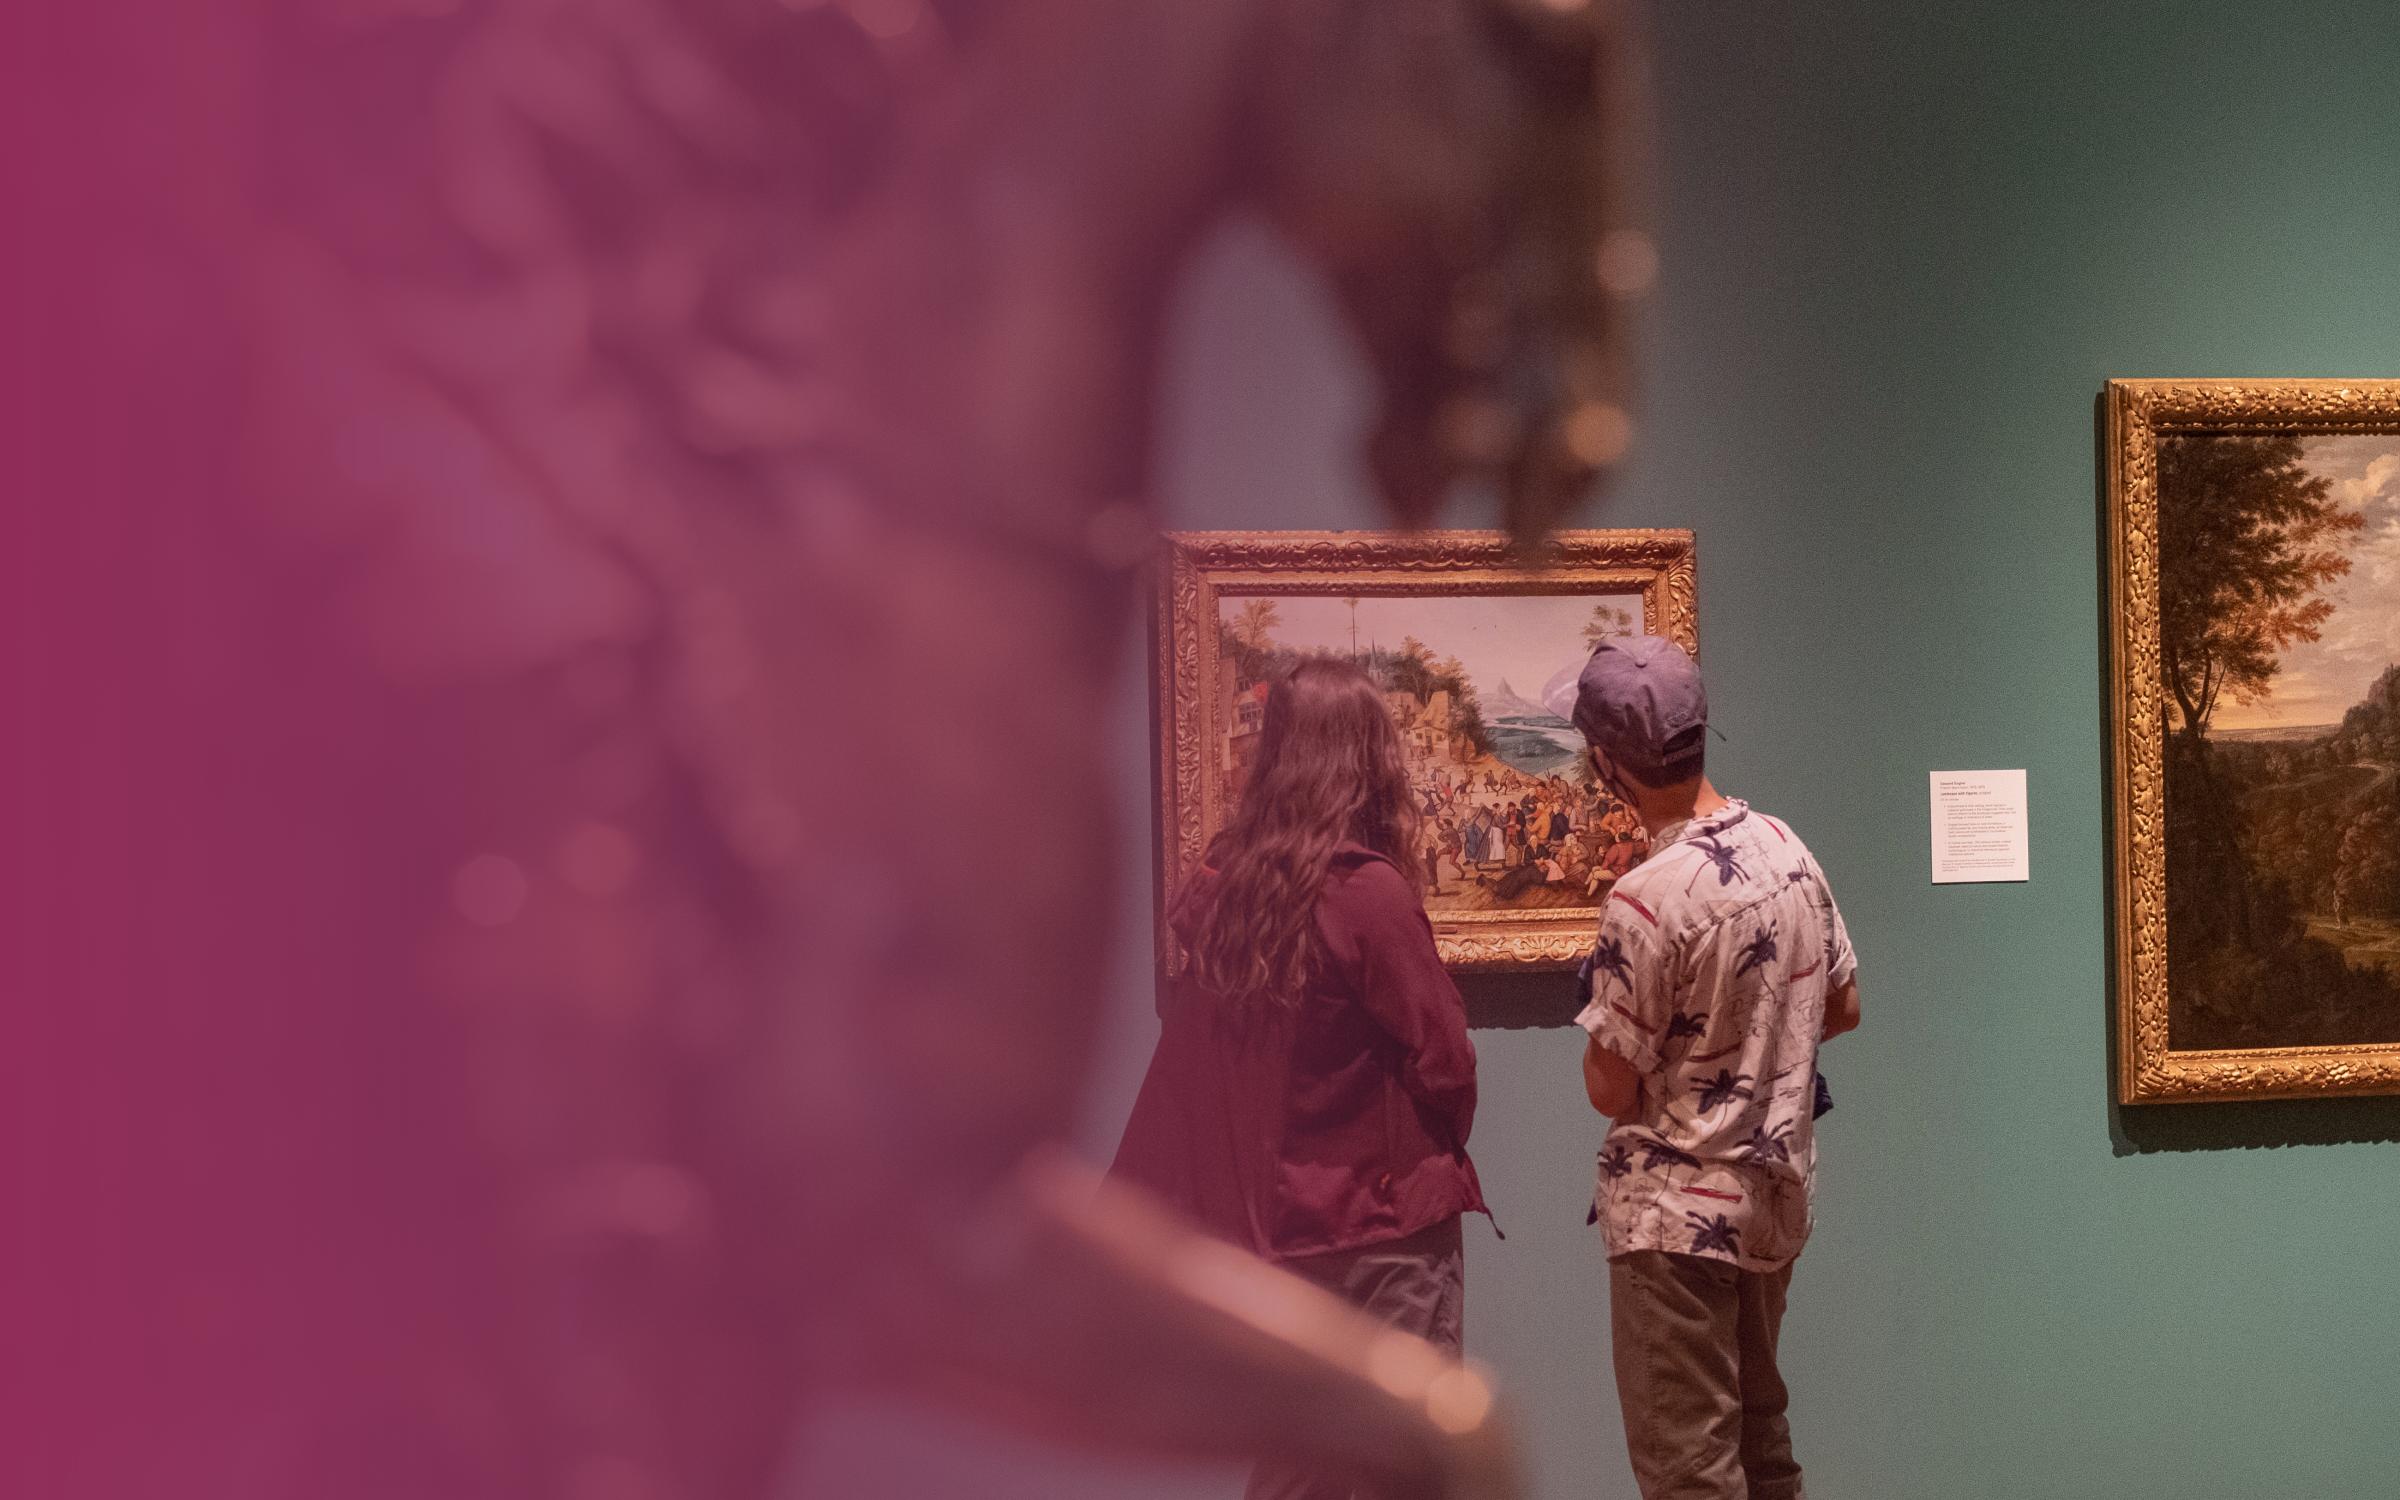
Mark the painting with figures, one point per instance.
(1512, 819)
(2264, 684)
(1474, 647)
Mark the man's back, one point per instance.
(1710, 978)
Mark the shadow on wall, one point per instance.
(1519, 1001)
(2134, 1129)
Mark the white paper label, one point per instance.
(1979, 827)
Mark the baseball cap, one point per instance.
(1641, 703)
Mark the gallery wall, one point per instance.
(1904, 245)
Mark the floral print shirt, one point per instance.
(1709, 977)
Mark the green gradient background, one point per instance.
(1904, 246)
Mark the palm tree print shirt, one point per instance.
(1709, 978)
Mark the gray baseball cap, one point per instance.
(1641, 703)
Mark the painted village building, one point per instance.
(1429, 731)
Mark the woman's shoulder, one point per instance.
(1362, 880)
(1351, 859)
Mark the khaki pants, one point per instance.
(1418, 1283)
(1695, 1355)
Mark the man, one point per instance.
(1574, 860)
(1721, 964)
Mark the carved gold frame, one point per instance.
(1198, 566)
(2137, 411)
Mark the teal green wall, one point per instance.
(1904, 245)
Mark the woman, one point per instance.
(1314, 1085)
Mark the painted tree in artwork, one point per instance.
(2371, 729)
(1610, 622)
(1466, 710)
(1255, 622)
(1410, 670)
(2248, 539)
(2366, 880)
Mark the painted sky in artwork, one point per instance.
(2321, 679)
(1522, 639)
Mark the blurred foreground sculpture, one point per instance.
(707, 443)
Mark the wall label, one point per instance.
(1979, 827)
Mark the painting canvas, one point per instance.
(2257, 612)
(1519, 845)
(1512, 819)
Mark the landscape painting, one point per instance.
(2272, 672)
(1467, 641)
(1513, 820)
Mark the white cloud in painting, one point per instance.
(2380, 480)
(2361, 470)
(2366, 624)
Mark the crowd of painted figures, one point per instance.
(1508, 831)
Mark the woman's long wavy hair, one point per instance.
(1329, 770)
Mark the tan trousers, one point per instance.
(1695, 1355)
(1418, 1283)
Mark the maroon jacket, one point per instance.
(1338, 1122)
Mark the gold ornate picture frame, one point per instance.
(1464, 632)
(2254, 619)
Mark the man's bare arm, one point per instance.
(1609, 1081)
(1841, 1010)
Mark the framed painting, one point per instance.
(1463, 634)
(2254, 616)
